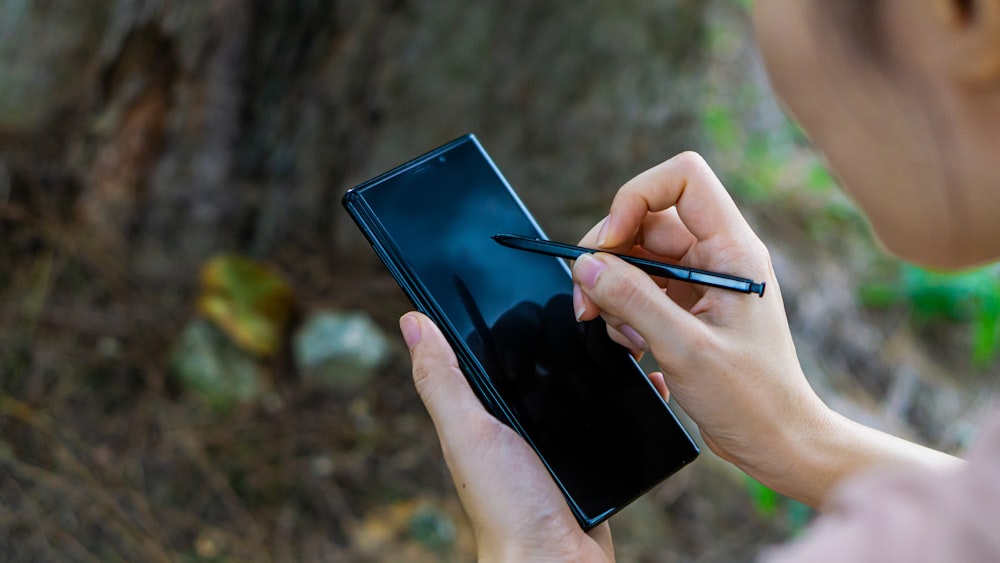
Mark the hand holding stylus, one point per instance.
(729, 361)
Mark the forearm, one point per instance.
(834, 448)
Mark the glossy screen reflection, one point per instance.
(580, 399)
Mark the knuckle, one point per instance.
(691, 160)
(744, 254)
(422, 379)
(756, 258)
(429, 375)
(759, 251)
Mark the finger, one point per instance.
(584, 307)
(656, 378)
(684, 181)
(619, 338)
(664, 235)
(684, 294)
(626, 293)
(589, 240)
(623, 334)
(602, 535)
(439, 381)
(660, 235)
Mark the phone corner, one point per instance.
(349, 198)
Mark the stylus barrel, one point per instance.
(570, 252)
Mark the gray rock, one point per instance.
(340, 350)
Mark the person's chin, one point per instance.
(937, 251)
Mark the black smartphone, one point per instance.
(578, 398)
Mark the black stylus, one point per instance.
(570, 252)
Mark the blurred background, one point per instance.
(199, 355)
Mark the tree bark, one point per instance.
(168, 130)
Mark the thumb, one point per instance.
(631, 297)
(439, 381)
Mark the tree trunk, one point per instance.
(171, 130)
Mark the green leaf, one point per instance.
(971, 297)
(765, 500)
(950, 296)
(249, 301)
(985, 341)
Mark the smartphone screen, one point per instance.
(578, 398)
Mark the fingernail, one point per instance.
(602, 235)
(410, 327)
(587, 269)
(634, 337)
(578, 307)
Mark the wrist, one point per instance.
(813, 457)
(817, 454)
(511, 552)
(807, 456)
(520, 555)
(579, 549)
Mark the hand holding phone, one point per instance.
(576, 398)
(516, 509)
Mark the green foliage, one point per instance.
(751, 160)
(721, 126)
(765, 500)
(819, 178)
(971, 297)
(770, 504)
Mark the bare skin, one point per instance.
(911, 133)
(753, 409)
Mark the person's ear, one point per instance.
(972, 47)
